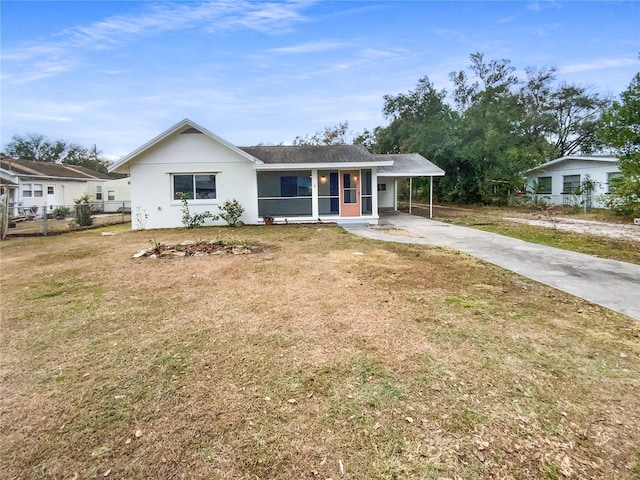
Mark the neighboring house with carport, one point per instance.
(559, 182)
(43, 184)
(338, 183)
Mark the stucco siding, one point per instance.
(598, 172)
(386, 198)
(151, 180)
(65, 192)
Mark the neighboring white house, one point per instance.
(558, 181)
(338, 183)
(38, 184)
(110, 196)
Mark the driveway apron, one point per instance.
(609, 283)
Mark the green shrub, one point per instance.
(231, 211)
(83, 216)
(60, 212)
(197, 219)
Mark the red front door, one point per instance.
(349, 193)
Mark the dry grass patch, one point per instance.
(323, 355)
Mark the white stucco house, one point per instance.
(556, 182)
(32, 185)
(111, 196)
(338, 183)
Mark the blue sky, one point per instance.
(118, 73)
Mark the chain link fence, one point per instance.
(18, 220)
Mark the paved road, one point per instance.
(610, 283)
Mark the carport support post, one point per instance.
(395, 195)
(410, 192)
(431, 197)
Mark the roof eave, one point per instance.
(566, 158)
(66, 179)
(411, 174)
(321, 166)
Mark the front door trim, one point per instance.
(349, 193)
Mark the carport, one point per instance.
(405, 165)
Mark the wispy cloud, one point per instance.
(311, 47)
(546, 30)
(600, 64)
(352, 59)
(541, 5)
(534, 6)
(49, 118)
(221, 15)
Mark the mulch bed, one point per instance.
(196, 249)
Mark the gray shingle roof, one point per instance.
(408, 165)
(311, 154)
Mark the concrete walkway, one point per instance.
(609, 283)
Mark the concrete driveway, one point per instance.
(609, 283)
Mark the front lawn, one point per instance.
(319, 355)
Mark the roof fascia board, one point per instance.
(178, 126)
(572, 157)
(66, 179)
(322, 166)
(405, 175)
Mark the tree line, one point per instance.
(39, 148)
(494, 126)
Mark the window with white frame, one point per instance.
(194, 186)
(111, 195)
(32, 190)
(98, 192)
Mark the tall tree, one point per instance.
(620, 129)
(491, 156)
(336, 135)
(538, 123)
(576, 116)
(34, 146)
(39, 148)
(422, 122)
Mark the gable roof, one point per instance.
(568, 158)
(323, 156)
(409, 165)
(302, 156)
(33, 169)
(184, 126)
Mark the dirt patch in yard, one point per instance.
(620, 231)
(588, 224)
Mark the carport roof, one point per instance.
(408, 165)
